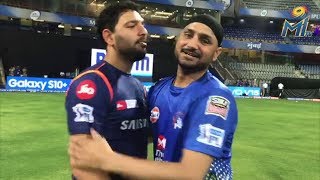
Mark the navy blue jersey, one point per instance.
(201, 117)
(114, 104)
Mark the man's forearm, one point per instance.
(90, 174)
(143, 169)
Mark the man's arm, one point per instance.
(193, 166)
(92, 174)
(83, 109)
(96, 153)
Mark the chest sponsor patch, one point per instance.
(86, 89)
(155, 113)
(218, 105)
(84, 113)
(134, 124)
(126, 104)
(161, 142)
(211, 135)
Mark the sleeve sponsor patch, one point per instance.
(86, 89)
(84, 113)
(211, 135)
(218, 105)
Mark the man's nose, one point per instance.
(193, 42)
(142, 30)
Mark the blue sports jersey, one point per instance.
(114, 104)
(201, 117)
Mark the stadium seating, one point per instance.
(262, 71)
(250, 34)
(280, 4)
(315, 40)
(312, 71)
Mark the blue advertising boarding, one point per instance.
(34, 84)
(37, 84)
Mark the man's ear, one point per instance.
(107, 36)
(216, 54)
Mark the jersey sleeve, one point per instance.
(213, 120)
(87, 103)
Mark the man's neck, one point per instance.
(118, 61)
(184, 79)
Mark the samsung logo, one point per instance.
(38, 84)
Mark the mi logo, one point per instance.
(300, 28)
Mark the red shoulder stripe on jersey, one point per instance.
(101, 65)
(107, 82)
(104, 78)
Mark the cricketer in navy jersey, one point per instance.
(99, 98)
(201, 117)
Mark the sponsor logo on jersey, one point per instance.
(155, 113)
(177, 120)
(134, 124)
(217, 105)
(211, 135)
(159, 155)
(84, 113)
(161, 146)
(126, 104)
(86, 89)
(161, 142)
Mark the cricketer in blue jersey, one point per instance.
(194, 117)
(106, 97)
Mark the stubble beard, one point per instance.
(190, 68)
(131, 53)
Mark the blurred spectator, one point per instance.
(24, 72)
(17, 71)
(255, 83)
(246, 83)
(62, 75)
(280, 87)
(11, 71)
(264, 89)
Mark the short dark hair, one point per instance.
(109, 17)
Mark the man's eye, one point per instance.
(206, 41)
(131, 25)
(188, 35)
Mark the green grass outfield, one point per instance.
(275, 139)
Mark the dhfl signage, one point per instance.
(143, 67)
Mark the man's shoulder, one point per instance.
(215, 86)
(162, 81)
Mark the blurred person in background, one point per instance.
(106, 97)
(24, 72)
(264, 89)
(280, 88)
(12, 70)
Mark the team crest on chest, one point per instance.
(178, 120)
